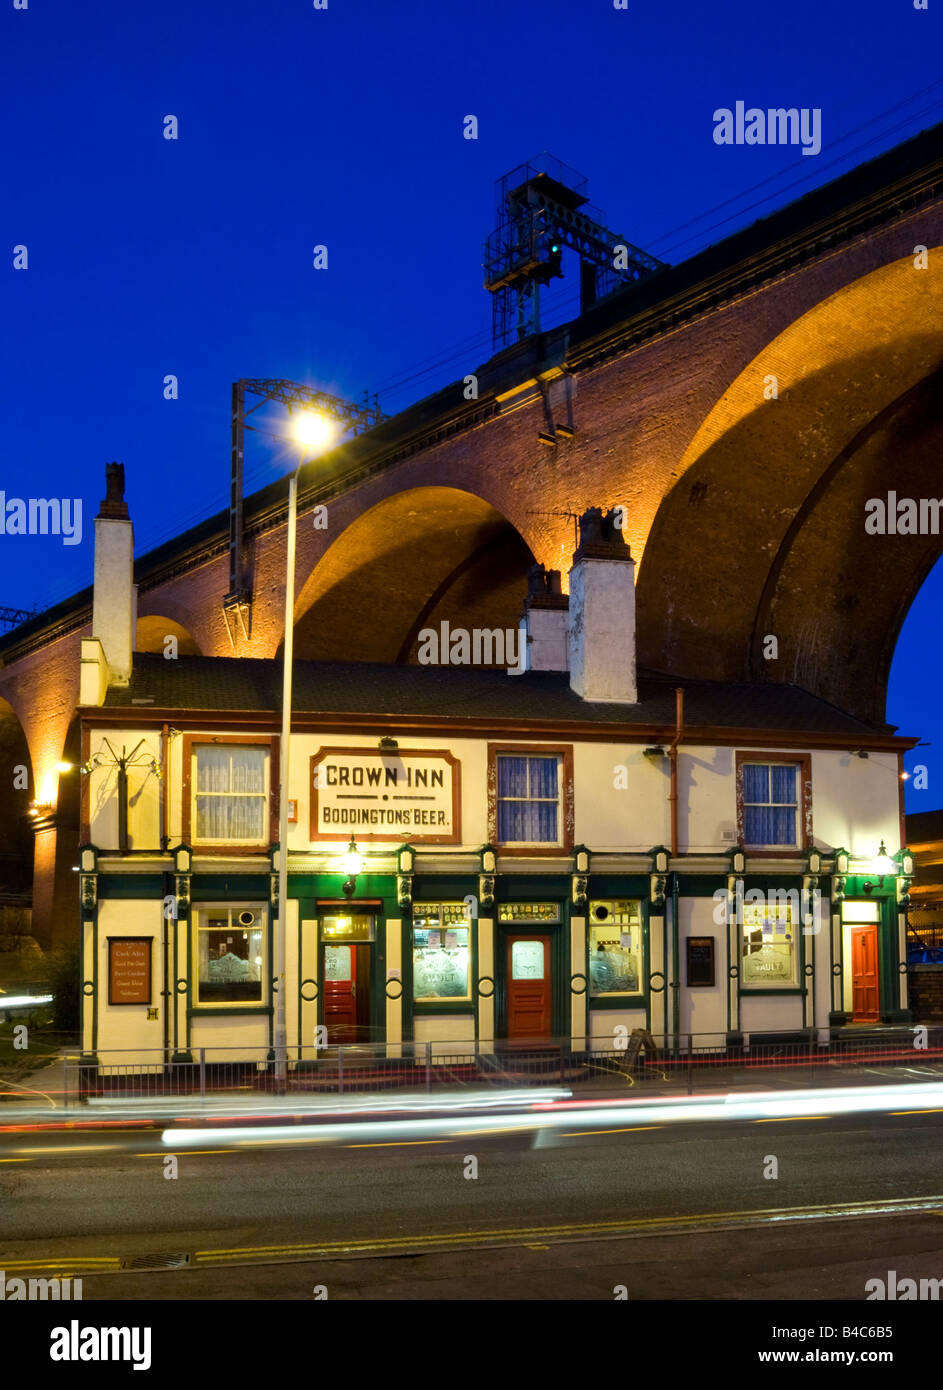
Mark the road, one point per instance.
(670, 1211)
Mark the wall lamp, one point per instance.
(352, 864)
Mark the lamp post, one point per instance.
(312, 432)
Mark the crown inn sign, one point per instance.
(414, 795)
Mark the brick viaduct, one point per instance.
(742, 407)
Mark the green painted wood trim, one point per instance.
(225, 1010)
(124, 886)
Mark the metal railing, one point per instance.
(684, 1063)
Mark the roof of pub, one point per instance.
(224, 684)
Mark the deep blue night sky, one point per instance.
(344, 127)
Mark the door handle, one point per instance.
(353, 990)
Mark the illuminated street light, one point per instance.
(313, 433)
(313, 430)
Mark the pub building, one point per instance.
(477, 855)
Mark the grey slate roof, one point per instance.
(236, 684)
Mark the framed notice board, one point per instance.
(129, 970)
(700, 960)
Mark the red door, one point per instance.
(865, 1004)
(340, 991)
(528, 964)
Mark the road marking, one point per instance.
(787, 1119)
(528, 1236)
(398, 1144)
(938, 1111)
(634, 1129)
(185, 1153)
(16, 1160)
(52, 1149)
(587, 1230)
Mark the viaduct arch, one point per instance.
(745, 514)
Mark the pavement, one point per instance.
(49, 1094)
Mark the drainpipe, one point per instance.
(673, 757)
(166, 992)
(676, 949)
(900, 800)
(164, 789)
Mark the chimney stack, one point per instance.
(114, 602)
(602, 612)
(543, 626)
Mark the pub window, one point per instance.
(615, 947)
(231, 793)
(528, 799)
(770, 804)
(230, 955)
(770, 933)
(441, 951)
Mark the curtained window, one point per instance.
(231, 793)
(528, 800)
(770, 804)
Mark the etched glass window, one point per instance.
(769, 942)
(230, 953)
(615, 947)
(441, 951)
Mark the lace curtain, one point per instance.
(769, 823)
(527, 800)
(230, 792)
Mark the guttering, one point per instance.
(423, 725)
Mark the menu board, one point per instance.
(700, 960)
(129, 970)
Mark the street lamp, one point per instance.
(313, 432)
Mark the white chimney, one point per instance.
(114, 602)
(544, 624)
(602, 612)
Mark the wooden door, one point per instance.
(528, 976)
(865, 1001)
(340, 991)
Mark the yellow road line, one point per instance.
(938, 1111)
(100, 1263)
(524, 1234)
(634, 1129)
(184, 1152)
(533, 1237)
(398, 1144)
(787, 1119)
(52, 1149)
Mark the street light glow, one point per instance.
(313, 430)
